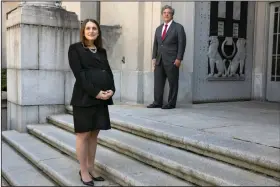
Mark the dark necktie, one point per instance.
(164, 32)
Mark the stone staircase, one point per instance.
(136, 152)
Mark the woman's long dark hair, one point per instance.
(98, 41)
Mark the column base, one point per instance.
(20, 116)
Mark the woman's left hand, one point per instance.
(109, 92)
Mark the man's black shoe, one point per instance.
(167, 107)
(153, 106)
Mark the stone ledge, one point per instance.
(225, 78)
(44, 16)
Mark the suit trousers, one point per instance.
(161, 72)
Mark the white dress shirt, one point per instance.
(169, 23)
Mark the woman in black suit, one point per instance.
(92, 93)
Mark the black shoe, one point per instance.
(153, 106)
(97, 178)
(167, 107)
(89, 183)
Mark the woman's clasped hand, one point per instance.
(104, 95)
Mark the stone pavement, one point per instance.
(253, 121)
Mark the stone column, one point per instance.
(90, 10)
(260, 51)
(38, 38)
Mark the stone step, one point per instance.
(19, 172)
(4, 182)
(125, 170)
(59, 167)
(243, 154)
(186, 165)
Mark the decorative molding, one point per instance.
(40, 26)
(54, 4)
(237, 78)
(44, 16)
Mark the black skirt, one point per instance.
(91, 118)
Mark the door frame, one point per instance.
(270, 27)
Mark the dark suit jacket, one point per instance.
(172, 47)
(81, 60)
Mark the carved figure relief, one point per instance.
(227, 40)
(215, 58)
(239, 59)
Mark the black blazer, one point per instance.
(82, 60)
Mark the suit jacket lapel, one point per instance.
(160, 32)
(169, 29)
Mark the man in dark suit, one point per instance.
(168, 51)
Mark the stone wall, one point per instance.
(133, 50)
(37, 42)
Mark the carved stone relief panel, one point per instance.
(227, 40)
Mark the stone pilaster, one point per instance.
(38, 37)
(90, 10)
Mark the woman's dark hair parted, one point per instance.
(98, 42)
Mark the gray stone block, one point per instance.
(47, 110)
(47, 47)
(185, 88)
(39, 87)
(67, 35)
(35, 87)
(53, 50)
(117, 79)
(12, 85)
(52, 53)
(13, 46)
(75, 36)
(69, 84)
(19, 116)
(148, 87)
(28, 55)
(132, 86)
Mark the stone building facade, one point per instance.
(232, 52)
